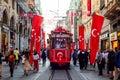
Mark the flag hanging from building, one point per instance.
(88, 7)
(38, 39)
(72, 47)
(81, 37)
(97, 23)
(37, 20)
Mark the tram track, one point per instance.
(52, 74)
(60, 75)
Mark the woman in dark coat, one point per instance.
(111, 62)
(81, 58)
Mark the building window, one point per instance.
(17, 8)
(75, 3)
(6, 1)
(115, 27)
(13, 4)
(102, 4)
(119, 25)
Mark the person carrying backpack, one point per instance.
(11, 59)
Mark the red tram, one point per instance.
(59, 47)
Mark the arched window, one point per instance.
(5, 17)
(13, 4)
(6, 1)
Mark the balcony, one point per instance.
(112, 10)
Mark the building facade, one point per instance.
(15, 24)
(75, 19)
(110, 9)
(8, 24)
(87, 20)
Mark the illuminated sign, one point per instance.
(113, 36)
(118, 34)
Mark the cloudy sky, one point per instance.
(51, 9)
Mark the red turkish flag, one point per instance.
(72, 47)
(37, 20)
(81, 37)
(88, 7)
(38, 39)
(97, 23)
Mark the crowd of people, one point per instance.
(107, 61)
(16, 58)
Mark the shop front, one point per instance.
(118, 37)
(113, 40)
(104, 41)
(4, 39)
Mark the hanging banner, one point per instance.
(88, 7)
(97, 22)
(37, 20)
(81, 37)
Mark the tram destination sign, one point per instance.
(60, 35)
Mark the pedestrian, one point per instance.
(106, 61)
(35, 60)
(27, 52)
(26, 64)
(74, 57)
(43, 57)
(16, 53)
(81, 58)
(11, 59)
(1, 64)
(117, 67)
(86, 58)
(100, 62)
(111, 63)
(20, 56)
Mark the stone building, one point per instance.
(111, 10)
(87, 20)
(8, 24)
(14, 25)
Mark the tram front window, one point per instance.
(60, 43)
(57, 45)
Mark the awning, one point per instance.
(23, 4)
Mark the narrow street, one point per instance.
(87, 31)
(45, 72)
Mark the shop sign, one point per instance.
(104, 36)
(113, 36)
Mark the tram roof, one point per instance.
(61, 30)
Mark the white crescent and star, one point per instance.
(93, 32)
(80, 38)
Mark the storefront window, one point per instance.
(114, 44)
(4, 42)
